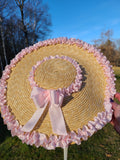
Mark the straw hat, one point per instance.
(57, 92)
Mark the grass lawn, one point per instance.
(104, 145)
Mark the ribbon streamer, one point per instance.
(42, 98)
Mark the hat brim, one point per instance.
(85, 112)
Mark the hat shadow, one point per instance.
(67, 99)
(84, 77)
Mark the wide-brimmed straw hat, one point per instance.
(57, 92)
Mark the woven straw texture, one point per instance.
(79, 108)
(55, 73)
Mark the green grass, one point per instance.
(117, 75)
(103, 145)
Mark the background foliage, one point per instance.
(22, 23)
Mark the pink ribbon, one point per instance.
(42, 98)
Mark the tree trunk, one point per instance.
(1, 64)
(34, 26)
(24, 27)
(13, 45)
(3, 41)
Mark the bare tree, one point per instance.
(118, 44)
(3, 4)
(37, 19)
(108, 47)
(20, 4)
(22, 23)
(6, 10)
(106, 35)
(1, 64)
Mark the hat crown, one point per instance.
(55, 74)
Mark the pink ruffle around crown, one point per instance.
(39, 139)
(74, 87)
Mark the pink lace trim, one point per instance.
(39, 139)
(74, 87)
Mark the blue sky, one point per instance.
(84, 19)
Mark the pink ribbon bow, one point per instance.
(42, 98)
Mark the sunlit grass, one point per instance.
(103, 145)
(117, 70)
(117, 74)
